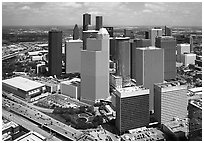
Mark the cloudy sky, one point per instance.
(114, 13)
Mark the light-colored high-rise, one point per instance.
(95, 68)
(148, 68)
(170, 100)
(155, 32)
(181, 49)
(73, 55)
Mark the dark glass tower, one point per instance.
(86, 21)
(99, 22)
(55, 52)
(167, 31)
(75, 32)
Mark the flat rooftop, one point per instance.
(31, 136)
(74, 41)
(23, 83)
(177, 125)
(195, 90)
(91, 31)
(197, 103)
(149, 48)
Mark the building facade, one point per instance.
(99, 22)
(148, 68)
(76, 32)
(170, 101)
(168, 43)
(155, 32)
(95, 68)
(181, 49)
(132, 108)
(55, 53)
(73, 55)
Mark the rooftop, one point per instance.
(22, 83)
(149, 48)
(195, 90)
(74, 41)
(31, 136)
(144, 134)
(197, 103)
(91, 31)
(122, 38)
(177, 125)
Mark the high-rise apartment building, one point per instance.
(155, 32)
(148, 68)
(170, 100)
(167, 31)
(99, 22)
(76, 32)
(168, 43)
(73, 55)
(132, 108)
(55, 52)
(95, 68)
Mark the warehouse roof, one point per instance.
(22, 83)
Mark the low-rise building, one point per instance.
(23, 88)
(31, 136)
(177, 129)
(187, 59)
(71, 88)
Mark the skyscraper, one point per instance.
(128, 33)
(168, 43)
(167, 31)
(132, 108)
(146, 35)
(95, 68)
(120, 48)
(170, 100)
(148, 68)
(75, 32)
(99, 22)
(73, 55)
(55, 52)
(155, 32)
(86, 21)
(181, 49)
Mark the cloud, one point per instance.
(146, 11)
(155, 6)
(25, 8)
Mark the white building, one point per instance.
(181, 49)
(155, 32)
(187, 59)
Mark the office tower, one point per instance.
(120, 49)
(146, 35)
(110, 31)
(73, 55)
(55, 52)
(88, 34)
(191, 43)
(155, 32)
(167, 31)
(170, 100)
(86, 21)
(181, 49)
(132, 108)
(95, 68)
(142, 43)
(75, 32)
(148, 68)
(99, 22)
(168, 43)
(137, 43)
(188, 58)
(128, 33)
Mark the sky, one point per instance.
(114, 13)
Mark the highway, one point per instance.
(28, 125)
(43, 119)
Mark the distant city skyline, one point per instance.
(114, 13)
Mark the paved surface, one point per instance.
(43, 119)
(28, 125)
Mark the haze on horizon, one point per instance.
(114, 13)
